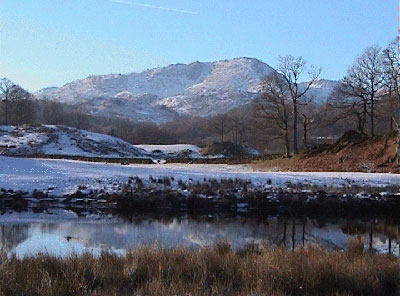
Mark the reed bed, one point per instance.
(214, 270)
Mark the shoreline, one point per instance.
(41, 183)
(158, 195)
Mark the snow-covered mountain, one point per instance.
(161, 94)
(320, 90)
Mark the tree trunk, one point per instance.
(287, 140)
(372, 118)
(6, 111)
(364, 117)
(398, 135)
(398, 144)
(392, 113)
(360, 123)
(391, 124)
(295, 148)
(305, 132)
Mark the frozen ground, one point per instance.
(59, 177)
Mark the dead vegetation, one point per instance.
(353, 152)
(217, 270)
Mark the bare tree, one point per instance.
(238, 125)
(391, 61)
(54, 112)
(274, 105)
(21, 106)
(344, 104)
(16, 103)
(6, 88)
(364, 82)
(311, 116)
(388, 110)
(220, 124)
(292, 69)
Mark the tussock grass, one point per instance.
(216, 270)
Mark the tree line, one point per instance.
(284, 118)
(365, 99)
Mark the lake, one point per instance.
(64, 233)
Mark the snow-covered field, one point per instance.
(59, 177)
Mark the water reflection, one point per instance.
(64, 237)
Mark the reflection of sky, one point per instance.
(50, 237)
(48, 243)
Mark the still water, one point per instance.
(29, 235)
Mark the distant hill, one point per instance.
(60, 140)
(161, 94)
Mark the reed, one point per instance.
(214, 270)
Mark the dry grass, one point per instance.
(215, 270)
(372, 155)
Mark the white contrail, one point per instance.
(153, 6)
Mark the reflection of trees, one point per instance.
(12, 235)
(352, 227)
(303, 231)
(291, 232)
(373, 228)
(286, 231)
(48, 227)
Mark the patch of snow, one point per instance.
(7, 128)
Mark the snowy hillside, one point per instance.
(58, 140)
(320, 90)
(230, 84)
(161, 94)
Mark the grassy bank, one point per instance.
(210, 271)
(352, 152)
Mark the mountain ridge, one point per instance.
(161, 94)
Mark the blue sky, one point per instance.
(47, 43)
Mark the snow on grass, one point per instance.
(59, 140)
(59, 177)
